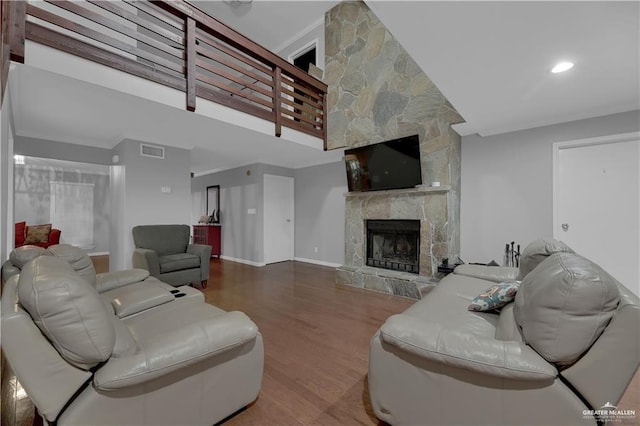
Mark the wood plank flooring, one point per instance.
(316, 336)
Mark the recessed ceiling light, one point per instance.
(562, 67)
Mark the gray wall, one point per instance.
(319, 210)
(241, 189)
(507, 183)
(138, 195)
(34, 147)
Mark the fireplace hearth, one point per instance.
(394, 244)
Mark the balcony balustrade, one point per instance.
(175, 44)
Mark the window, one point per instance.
(74, 197)
(71, 209)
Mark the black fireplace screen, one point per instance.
(394, 244)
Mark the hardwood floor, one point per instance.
(316, 336)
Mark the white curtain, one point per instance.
(72, 211)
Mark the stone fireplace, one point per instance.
(394, 245)
(376, 92)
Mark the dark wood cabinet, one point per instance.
(210, 235)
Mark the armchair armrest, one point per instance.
(172, 351)
(490, 273)
(204, 251)
(146, 259)
(110, 280)
(506, 359)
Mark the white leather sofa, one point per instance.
(568, 345)
(178, 362)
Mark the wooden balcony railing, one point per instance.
(175, 44)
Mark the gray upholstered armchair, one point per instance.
(165, 252)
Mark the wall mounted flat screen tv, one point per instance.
(393, 164)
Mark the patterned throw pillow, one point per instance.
(37, 234)
(495, 297)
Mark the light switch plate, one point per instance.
(251, 211)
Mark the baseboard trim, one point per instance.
(246, 262)
(317, 262)
(99, 253)
(297, 259)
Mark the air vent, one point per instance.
(151, 151)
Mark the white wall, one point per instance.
(319, 211)
(300, 42)
(507, 186)
(143, 202)
(6, 179)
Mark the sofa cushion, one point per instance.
(78, 259)
(67, 310)
(178, 262)
(507, 328)
(20, 232)
(537, 252)
(37, 234)
(495, 297)
(21, 255)
(447, 304)
(563, 306)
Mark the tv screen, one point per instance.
(394, 164)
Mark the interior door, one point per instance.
(278, 218)
(597, 202)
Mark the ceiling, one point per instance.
(490, 59)
(55, 107)
(273, 24)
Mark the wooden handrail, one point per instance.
(173, 43)
(234, 38)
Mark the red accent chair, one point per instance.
(21, 229)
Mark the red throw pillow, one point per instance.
(20, 233)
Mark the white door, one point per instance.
(597, 202)
(278, 218)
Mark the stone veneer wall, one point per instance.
(377, 92)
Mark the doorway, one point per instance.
(596, 205)
(278, 218)
(303, 59)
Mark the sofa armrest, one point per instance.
(506, 359)
(9, 270)
(204, 251)
(489, 273)
(146, 259)
(110, 280)
(178, 349)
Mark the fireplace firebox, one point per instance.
(394, 244)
